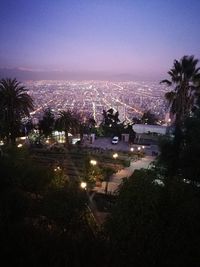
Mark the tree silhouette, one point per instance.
(149, 118)
(67, 122)
(15, 103)
(184, 78)
(46, 125)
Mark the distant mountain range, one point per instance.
(24, 75)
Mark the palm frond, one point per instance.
(166, 82)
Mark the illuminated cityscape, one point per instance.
(130, 99)
(99, 133)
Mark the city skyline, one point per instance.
(90, 98)
(128, 39)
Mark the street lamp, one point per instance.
(57, 169)
(115, 155)
(19, 145)
(93, 162)
(1, 143)
(83, 185)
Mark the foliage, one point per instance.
(190, 152)
(185, 77)
(15, 103)
(27, 126)
(35, 138)
(88, 125)
(46, 125)
(42, 224)
(136, 120)
(111, 124)
(187, 166)
(67, 122)
(155, 225)
(65, 206)
(107, 172)
(149, 118)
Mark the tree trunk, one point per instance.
(177, 147)
(106, 185)
(66, 138)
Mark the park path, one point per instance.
(116, 179)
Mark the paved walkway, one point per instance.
(116, 179)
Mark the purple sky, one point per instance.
(140, 37)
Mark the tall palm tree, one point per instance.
(15, 103)
(67, 122)
(184, 77)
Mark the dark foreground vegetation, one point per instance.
(45, 219)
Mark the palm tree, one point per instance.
(15, 103)
(184, 77)
(68, 122)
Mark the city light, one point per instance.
(132, 149)
(95, 97)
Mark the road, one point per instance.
(117, 178)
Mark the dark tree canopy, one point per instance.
(149, 118)
(15, 104)
(184, 78)
(46, 125)
(155, 224)
(67, 122)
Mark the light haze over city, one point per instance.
(124, 39)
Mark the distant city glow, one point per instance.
(90, 98)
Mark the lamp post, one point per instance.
(93, 163)
(115, 156)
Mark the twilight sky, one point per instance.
(140, 37)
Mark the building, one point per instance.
(146, 128)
